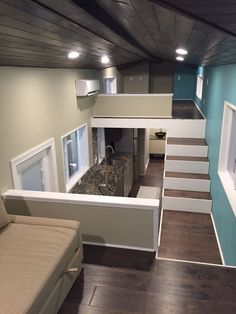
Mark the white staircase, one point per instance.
(186, 184)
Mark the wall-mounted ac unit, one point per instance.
(87, 87)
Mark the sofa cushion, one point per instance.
(3, 215)
(32, 259)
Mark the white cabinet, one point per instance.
(157, 146)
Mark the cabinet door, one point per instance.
(157, 147)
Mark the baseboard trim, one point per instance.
(218, 241)
(199, 109)
(127, 247)
(159, 236)
(193, 262)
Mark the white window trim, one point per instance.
(199, 86)
(17, 161)
(225, 178)
(70, 182)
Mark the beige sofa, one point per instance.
(40, 258)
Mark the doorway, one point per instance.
(110, 85)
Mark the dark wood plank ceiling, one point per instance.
(41, 32)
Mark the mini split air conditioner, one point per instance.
(87, 87)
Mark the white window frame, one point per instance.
(226, 180)
(199, 86)
(45, 151)
(83, 157)
(113, 84)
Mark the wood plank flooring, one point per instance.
(171, 287)
(187, 194)
(186, 158)
(188, 236)
(153, 176)
(185, 109)
(116, 257)
(186, 141)
(185, 175)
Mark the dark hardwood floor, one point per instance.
(153, 176)
(120, 281)
(188, 194)
(188, 236)
(116, 257)
(187, 158)
(186, 141)
(185, 109)
(168, 287)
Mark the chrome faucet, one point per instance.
(105, 166)
(112, 150)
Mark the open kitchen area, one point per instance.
(125, 160)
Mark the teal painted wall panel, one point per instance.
(221, 87)
(184, 82)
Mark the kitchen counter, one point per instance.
(105, 179)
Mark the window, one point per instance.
(75, 155)
(36, 169)
(110, 86)
(227, 157)
(199, 86)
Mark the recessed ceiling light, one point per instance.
(73, 54)
(181, 51)
(179, 58)
(105, 59)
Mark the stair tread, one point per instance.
(186, 141)
(187, 194)
(171, 174)
(187, 158)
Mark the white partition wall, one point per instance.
(105, 220)
(133, 105)
(174, 127)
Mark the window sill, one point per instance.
(76, 177)
(229, 189)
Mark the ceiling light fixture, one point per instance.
(181, 51)
(73, 54)
(179, 58)
(105, 59)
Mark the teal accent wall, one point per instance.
(200, 71)
(184, 82)
(220, 87)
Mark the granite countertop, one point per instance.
(103, 179)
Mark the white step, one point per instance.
(184, 203)
(184, 150)
(191, 182)
(186, 147)
(179, 164)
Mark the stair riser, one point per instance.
(186, 150)
(187, 184)
(187, 166)
(187, 204)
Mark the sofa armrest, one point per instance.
(49, 222)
